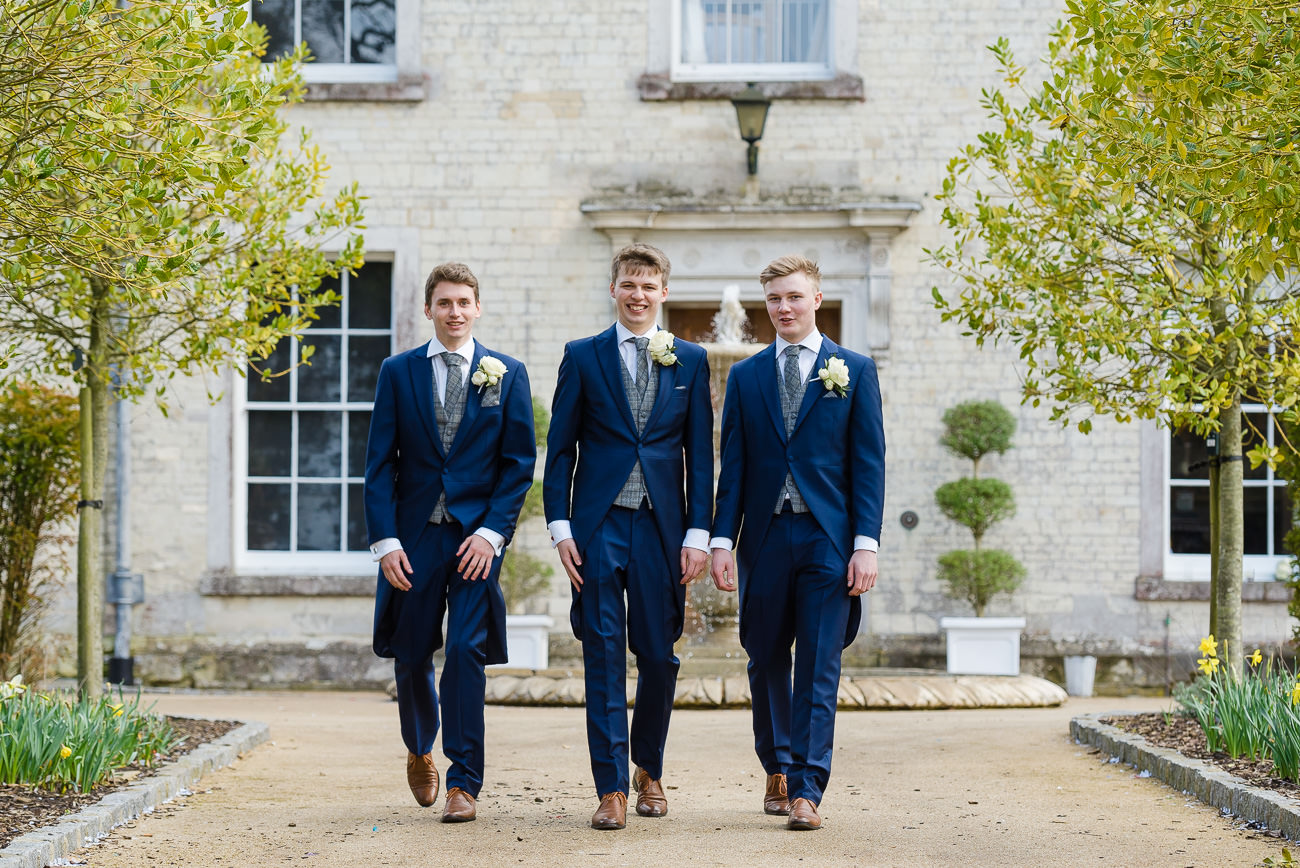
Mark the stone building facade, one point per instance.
(528, 139)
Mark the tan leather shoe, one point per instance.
(460, 807)
(803, 816)
(422, 775)
(776, 800)
(650, 800)
(612, 813)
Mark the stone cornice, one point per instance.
(622, 213)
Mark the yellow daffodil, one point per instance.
(1295, 693)
(117, 708)
(1209, 647)
(1255, 658)
(65, 752)
(1208, 665)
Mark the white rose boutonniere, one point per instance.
(662, 347)
(835, 376)
(488, 374)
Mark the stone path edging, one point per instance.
(44, 846)
(1195, 777)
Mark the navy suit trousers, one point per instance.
(626, 557)
(438, 588)
(798, 594)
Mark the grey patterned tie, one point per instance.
(448, 412)
(792, 388)
(642, 365)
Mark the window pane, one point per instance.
(804, 31)
(1250, 439)
(328, 316)
(370, 297)
(270, 441)
(318, 518)
(320, 381)
(1187, 450)
(1254, 515)
(1282, 520)
(374, 31)
(277, 388)
(357, 539)
(277, 17)
(322, 29)
(365, 355)
(320, 444)
(358, 431)
(1189, 520)
(748, 33)
(268, 517)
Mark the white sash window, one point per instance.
(752, 40)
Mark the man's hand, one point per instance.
(571, 560)
(692, 564)
(475, 555)
(396, 568)
(862, 572)
(724, 570)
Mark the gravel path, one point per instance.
(975, 788)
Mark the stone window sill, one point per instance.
(222, 584)
(408, 89)
(1154, 588)
(658, 87)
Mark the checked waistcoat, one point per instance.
(792, 389)
(448, 415)
(641, 394)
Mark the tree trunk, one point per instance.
(1214, 543)
(1227, 579)
(94, 459)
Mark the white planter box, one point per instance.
(528, 641)
(983, 646)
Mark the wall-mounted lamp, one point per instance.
(751, 114)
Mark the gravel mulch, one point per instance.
(23, 809)
(1184, 735)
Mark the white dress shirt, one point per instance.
(696, 537)
(809, 348)
(439, 364)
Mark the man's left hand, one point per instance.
(862, 572)
(475, 555)
(692, 564)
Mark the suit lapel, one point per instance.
(472, 398)
(667, 380)
(813, 388)
(421, 368)
(611, 365)
(765, 370)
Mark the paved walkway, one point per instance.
(1001, 787)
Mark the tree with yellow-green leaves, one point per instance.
(1131, 225)
(155, 220)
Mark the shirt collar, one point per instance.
(812, 342)
(466, 352)
(625, 333)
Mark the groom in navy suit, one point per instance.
(628, 497)
(803, 482)
(448, 462)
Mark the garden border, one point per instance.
(1195, 777)
(40, 847)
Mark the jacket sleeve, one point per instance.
(867, 455)
(562, 441)
(517, 459)
(731, 478)
(381, 461)
(699, 450)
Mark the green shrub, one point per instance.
(977, 576)
(976, 428)
(976, 503)
(38, 488)
(58, 743)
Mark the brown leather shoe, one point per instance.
(776, 800)
(422, 775)
(460, 807)
(612, 813)
(803, 816)
(650, 800)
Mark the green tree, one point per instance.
(1127, 287)
(158, 223)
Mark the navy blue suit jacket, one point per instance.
(836, 453)
(593, 444)
(485, 474)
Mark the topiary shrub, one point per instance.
(972, 430)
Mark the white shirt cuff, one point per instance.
(721, 542)
(560, 531)
(696, 538)
(861, 542)
(385, 546)
(496, 540)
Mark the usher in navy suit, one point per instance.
(484, 474)
(792, 564)
(593, 447)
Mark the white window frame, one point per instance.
(407, 46)
(260, 562)
(1196, 567)
(836, 10)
